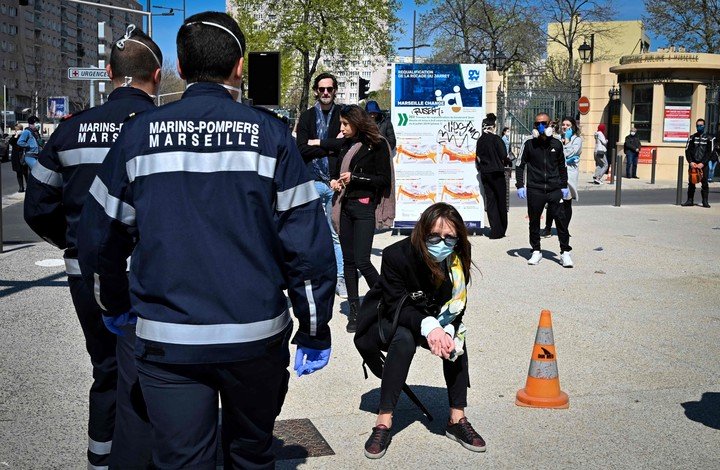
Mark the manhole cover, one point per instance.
(293, 439)
(297, 439)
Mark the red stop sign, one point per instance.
(584, 105)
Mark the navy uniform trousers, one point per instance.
(183, 409)
(118, 429)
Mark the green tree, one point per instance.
(694, 24)
(314, 30)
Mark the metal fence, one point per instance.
(518, 107)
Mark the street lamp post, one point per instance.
(414, 46)
(587, 52)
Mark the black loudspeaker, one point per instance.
(264, 78)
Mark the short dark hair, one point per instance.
(701, 119)
(207, 53)
(323, 76)
(135, 60)
(33, 120)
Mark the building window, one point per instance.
(678, 106)
(642, 110)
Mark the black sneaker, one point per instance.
(378, 442)
(463, 433)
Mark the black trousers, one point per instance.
(704, 188)
(357, 229)
(400, 354)
(100, 344)
(495, 202)
(132, 440)
(22, 177)
(182, 401)
(536, 200)
(567, 207)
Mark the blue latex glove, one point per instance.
(522, 193)
(115, 323)
(309, 360)
(565, 193)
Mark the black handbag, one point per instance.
(417, 297)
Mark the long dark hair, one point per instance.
(423, 228)
(364, 125)
(573, 124)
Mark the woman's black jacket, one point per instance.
(370, 168)
(404, 271)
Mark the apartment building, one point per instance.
(40, 41)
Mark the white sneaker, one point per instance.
(340, 288)
(535, 258)
(566, 260)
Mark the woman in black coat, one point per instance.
(16, 159)
(361, 175)
(433, 266)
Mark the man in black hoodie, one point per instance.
(546, 184)
(491, 160)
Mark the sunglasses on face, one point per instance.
(435, 239)
(544, 123)
(323, 89)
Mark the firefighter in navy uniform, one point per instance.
(216, 205)
(57, 191)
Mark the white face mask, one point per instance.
(230, 88)
(632, 132)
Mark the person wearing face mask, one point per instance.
(59, 186)
(547, 183)
(215, 204)
(433, 265)
(572, 148)
(632, 150)
(29, 140)
(699, 150)
(490, 161)
(601, 162)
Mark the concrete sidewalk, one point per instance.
(637, 330)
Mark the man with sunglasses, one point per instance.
(319, 139)
(547, 181)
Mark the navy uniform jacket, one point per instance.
(67, 166)
(216, 202)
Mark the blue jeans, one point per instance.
(711, 170)
(631, 164)
(326, 197)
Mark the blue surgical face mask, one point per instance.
(700, 128)
(439, 251)
(568, 133)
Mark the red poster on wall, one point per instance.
(646, 154)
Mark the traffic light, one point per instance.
(363, 88)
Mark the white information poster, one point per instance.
(437, 111)
(677, 124)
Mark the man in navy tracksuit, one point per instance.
(57, 191)
(216, 205)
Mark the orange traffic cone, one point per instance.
(542, 389)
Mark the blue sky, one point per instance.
(165, 27)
